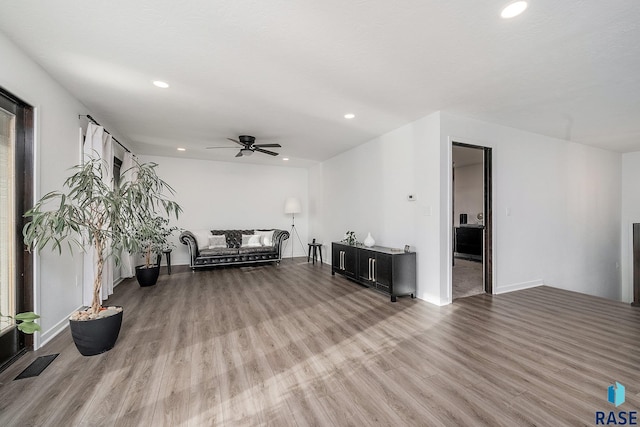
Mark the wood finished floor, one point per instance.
(294, 346)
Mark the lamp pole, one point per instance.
(292, 206)
(295, 230)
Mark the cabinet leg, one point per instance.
(413, 296)
(333, 273)
(393, 298)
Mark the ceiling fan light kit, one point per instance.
(249, 146)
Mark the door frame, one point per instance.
(488, 233)
(24, 156)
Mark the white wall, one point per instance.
(557, 208)
(57, 285)
(630, 215)
(563, 198)
(221, 195)
(469, 193)
(365, 190)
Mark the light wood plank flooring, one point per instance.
(291, 345)
(466, 278)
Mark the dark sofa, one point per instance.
(234, 252)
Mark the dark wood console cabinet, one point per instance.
(344, 259)
(468, 242)
(387, 270)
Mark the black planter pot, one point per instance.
(96, 336)
(147, 276)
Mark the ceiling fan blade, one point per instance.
(237, 142)
(265, 151)
(268, 145)
(239, 154)
(211, 148)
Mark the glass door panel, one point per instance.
(7, 220)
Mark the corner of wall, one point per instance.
(44, 337)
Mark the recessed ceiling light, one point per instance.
(513, 9)
(286, 159)
(182, 149)
(349, 116)
(161, 84)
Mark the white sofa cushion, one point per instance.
(251, 240)
(217, 241)
(266, 237)
(202, 238)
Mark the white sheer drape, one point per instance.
(126, 175)
(98, 143)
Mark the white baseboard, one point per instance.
(518, 286)
(50, 334)
(432, 300)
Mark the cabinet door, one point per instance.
(365, 266)
(384, 272)
(468, 241)
(335, 256)
(350, 261)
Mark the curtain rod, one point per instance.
(98, 124)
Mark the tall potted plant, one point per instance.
(91, 212)
(151, 235)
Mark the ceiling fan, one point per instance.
(248, 146)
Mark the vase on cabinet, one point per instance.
(368, 241)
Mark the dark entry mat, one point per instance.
(37, 366)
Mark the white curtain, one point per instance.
(126, 175)
(98, 143)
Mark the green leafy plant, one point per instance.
(350, 238)
(25, 322)
(91, 212)
(151, 237)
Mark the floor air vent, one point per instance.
(36, 367)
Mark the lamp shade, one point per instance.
(292, 206)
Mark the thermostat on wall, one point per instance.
(411, 197)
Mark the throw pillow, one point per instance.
(266, 237)
(217, 241)
(202, 238)
(251, 240)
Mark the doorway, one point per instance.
(472, 220)
(16, 196)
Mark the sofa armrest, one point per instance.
(279, 236)
(187, 238)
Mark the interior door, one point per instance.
(16, 172)
(472, 235)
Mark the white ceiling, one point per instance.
(287, 72)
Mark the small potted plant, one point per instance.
(151, 235)
(350, 238)
(92, 212)
(25, 322)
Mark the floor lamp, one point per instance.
(292, 206)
